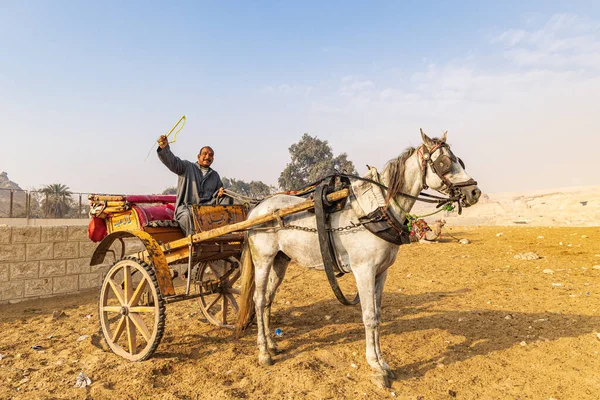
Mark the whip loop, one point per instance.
(181, 122)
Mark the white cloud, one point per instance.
(351, 86)
(510, 37)
(565, 41)
(288, 89)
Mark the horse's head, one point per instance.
(445, 172)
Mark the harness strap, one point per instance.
(330, 263)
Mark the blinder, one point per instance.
(442, 165)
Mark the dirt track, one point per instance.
(463, 321)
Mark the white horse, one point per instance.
(269, 251)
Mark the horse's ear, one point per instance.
(428, 142)
(443, 138)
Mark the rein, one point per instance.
(441, 166)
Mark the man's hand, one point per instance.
(163, 141)
(220, 192)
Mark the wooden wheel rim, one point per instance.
(130, 322)
(227, 295)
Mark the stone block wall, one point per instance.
(42, 261)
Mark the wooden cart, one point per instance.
(137, 287)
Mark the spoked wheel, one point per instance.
(219, 287)
(131, 309)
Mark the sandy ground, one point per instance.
(459, 321)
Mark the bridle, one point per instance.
(441, 166)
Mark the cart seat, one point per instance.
(157, 220)
(155, 215)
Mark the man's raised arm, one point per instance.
(171, 161)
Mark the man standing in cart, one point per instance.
(197, 183)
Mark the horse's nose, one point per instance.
(476, 193)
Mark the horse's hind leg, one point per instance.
(275, 278)
(371, 308)
(262, 269)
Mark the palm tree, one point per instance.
(57, 202)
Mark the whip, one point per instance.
(181, 122)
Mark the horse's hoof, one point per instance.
(390, 374)
(381, 381)
(265, 360)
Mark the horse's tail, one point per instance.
(246, 306)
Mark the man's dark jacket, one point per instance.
(192, 187)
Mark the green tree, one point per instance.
(312, 159)
(56, 201)
(254, 189)
(170, 190)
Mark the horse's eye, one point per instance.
(462, 164)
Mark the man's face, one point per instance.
(206, 157)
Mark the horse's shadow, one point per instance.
(475, 332)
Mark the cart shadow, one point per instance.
(200, 345)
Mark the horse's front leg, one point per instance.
(366, 282)
(379, 284)
(275, 278)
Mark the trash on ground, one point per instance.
(278, 332)
(530, 255)
(58, 314)
(82, 380)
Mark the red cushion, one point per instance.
(147, 213)
(97, 229)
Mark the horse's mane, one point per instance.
(395, 171)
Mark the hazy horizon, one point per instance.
(85, 89)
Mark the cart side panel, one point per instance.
(123, 221)
(164, 235)
(211, 217)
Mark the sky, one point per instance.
(86, 88)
